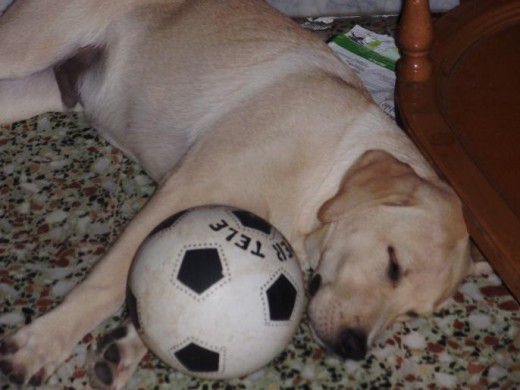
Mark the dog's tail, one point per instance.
(36, 34)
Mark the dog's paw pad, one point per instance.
(103, 373)
(112, 354)
(111, 337)
(38, 378)
(7, 347)
(14, 374)
(17, 379)
(6, 367)
(11, 371)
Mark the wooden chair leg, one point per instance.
(415, 35)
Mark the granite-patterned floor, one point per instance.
(65, 195)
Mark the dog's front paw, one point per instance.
(15, 372)
(117, 355)
(30, 355)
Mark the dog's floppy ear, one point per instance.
(376, 178)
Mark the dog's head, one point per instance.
(394, 246)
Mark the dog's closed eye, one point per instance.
(394, 269)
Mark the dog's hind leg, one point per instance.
(116, 358)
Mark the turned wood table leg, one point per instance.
(415, 35)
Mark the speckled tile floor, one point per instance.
(65, 195)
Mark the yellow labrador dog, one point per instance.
(229, 102)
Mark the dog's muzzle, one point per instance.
(350, 343)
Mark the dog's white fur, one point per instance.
(228, 102)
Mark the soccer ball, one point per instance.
(216, 292)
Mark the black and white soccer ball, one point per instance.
(216, 292)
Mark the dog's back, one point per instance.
(177, 89)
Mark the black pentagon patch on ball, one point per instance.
(131, 304)
(200, 269)
(167, 222)
(252, 221)
(281, 298)
(198, 359)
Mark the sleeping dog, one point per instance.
(229, 102)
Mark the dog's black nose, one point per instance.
(314, 285)
(352, 344)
